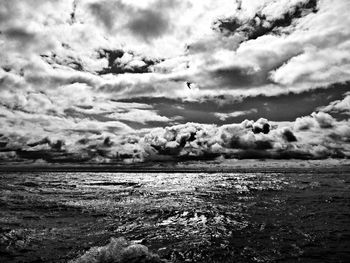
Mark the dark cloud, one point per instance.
(289, 136)
(106, 13)
(49, 156)
(237, 76)
(261, 126)
(41, 142)
(111, 55)
(57, 152)
(7, 9)
(68, 61)
(119, 61)
(54, 145)
(44, 149)
(21, 38)
(19, 34)
(116, 64)
(149, 24)
(144, 23)
(261, 25)
(73, 13)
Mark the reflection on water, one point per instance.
(195, 217)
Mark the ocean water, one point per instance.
(290, 216)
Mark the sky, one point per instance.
(123, 81)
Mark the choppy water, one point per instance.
(194, 217)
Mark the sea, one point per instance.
(271, 216)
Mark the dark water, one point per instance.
(194, 217)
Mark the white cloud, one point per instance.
(137, 115)
(338, 106)
(224, 116)
(270, 64)
(55, 80)
(87, 140)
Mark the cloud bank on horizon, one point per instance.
(106, 81)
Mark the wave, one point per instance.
(119, 250)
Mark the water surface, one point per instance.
(184, 217)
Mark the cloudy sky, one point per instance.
(127, 81)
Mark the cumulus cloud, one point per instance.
(316, 136)
(338, 106)
(66, 66)
(248, 139)
(120, 62)
(316, 120)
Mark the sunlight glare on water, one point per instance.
(198, 217)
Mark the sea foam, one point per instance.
(119, 251)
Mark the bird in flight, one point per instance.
(188, 84)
